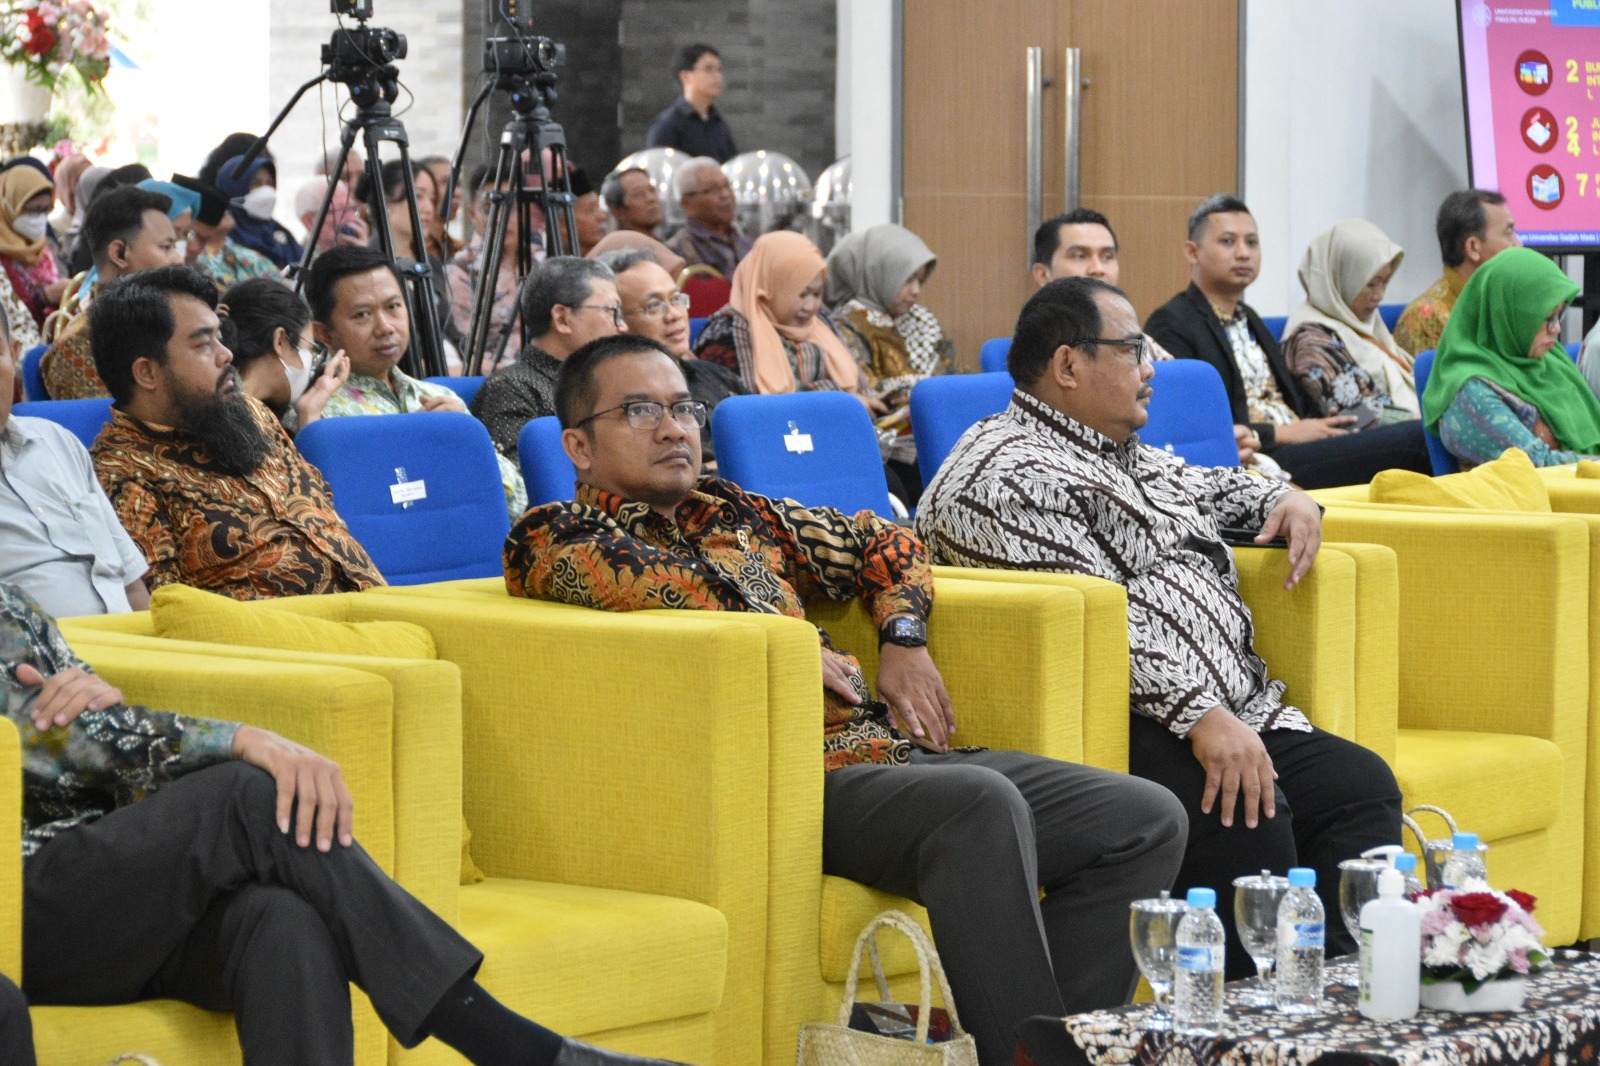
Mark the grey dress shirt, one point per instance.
(63, 544)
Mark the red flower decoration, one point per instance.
(1522, 899)
(41, 38)
(1477, 908)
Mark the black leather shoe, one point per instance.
(576, 1053)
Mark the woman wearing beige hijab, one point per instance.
(1335, 343)
(774, 333)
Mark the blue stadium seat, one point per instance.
(992, 356)
(1443, 461)
(33, 373)
(1190, 414)
(464, 387)
(946, 406)
(546, 470)
(1390, 313)
(695, 326)
(1275, 325)
(83, 417)
(819, 448)
(421, 492)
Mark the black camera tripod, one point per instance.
(521, 154)
(358, 58)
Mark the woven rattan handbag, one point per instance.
(822, 1044)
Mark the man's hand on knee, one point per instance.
(303, 778)
(65, 695)
(910, 684)
(1237, 764)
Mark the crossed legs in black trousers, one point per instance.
(193, 894)
(1334, 799)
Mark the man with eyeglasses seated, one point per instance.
(358, 306)
(566, 303)
(971, 834)
(654, 307)
(710, 237)
(1059, 482)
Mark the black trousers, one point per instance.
(16, 1028)
(1334, 799)
(1355, 458)
(193, 894)
(973, 836)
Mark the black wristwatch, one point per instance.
(906, 631)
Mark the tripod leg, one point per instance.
(501, 196)
(425, 315)
(346, 139)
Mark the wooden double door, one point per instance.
(1159, 133)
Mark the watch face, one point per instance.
(911, 632)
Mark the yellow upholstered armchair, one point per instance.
(333, 708)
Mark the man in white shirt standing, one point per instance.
(63, 543)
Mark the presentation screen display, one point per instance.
(1530, 71)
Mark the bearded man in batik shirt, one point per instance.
(202, 476)
(1059, 481)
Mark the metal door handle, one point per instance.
(1072, 107)
(1035, 172)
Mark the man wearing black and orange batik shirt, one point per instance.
(202, 476)
(971, 834)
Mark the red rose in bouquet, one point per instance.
(1477, 909)
(41, 38)
(1522, 899)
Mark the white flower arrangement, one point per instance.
(1477, 934)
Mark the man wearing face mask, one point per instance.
(253, 194)
(128, 231)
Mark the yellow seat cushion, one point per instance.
(1497, 785)
(1509, 483)
(183, 613)
(847, 907)
(586, 960)
(164, 1029)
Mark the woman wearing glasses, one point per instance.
(1500, 380)
(268, 330)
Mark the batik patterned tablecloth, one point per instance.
(1558, 1025)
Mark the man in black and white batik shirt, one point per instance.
(1059, 481)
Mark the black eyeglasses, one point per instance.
(1137, 345)
(647, 414)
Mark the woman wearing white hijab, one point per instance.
(1335, 343)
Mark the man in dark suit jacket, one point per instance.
(1210, 321)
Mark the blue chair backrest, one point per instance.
(1574, 349)
(1438, 454)
(546, 470)
(944, 407)
(1275, 325)
(84, 418)
(992, 356)
(695, 326)
(819, 448)
(1189, 411)
(464, 387)
(33, 373)
(421, 491)
(1390, 313)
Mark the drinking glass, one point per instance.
(1153, 929)
(1255, 919)
(1358, 885)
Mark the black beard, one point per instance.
(225, 427)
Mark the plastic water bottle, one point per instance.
(1391, 949)
(1465, 866)
(1197, 971)
(1302, 935)
(1406, 863)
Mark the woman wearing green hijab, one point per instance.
(1499, 380)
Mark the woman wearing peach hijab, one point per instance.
(774, 332)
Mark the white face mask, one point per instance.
(258, 203)
(299, 379)
(182, 248)
(30, 227)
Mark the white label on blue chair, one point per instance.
(407, 491)
(795, 441)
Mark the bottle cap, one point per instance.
(1391, 884)
(1465, 842)
(1202, 898)
(1302, 877)
(1405, 862)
